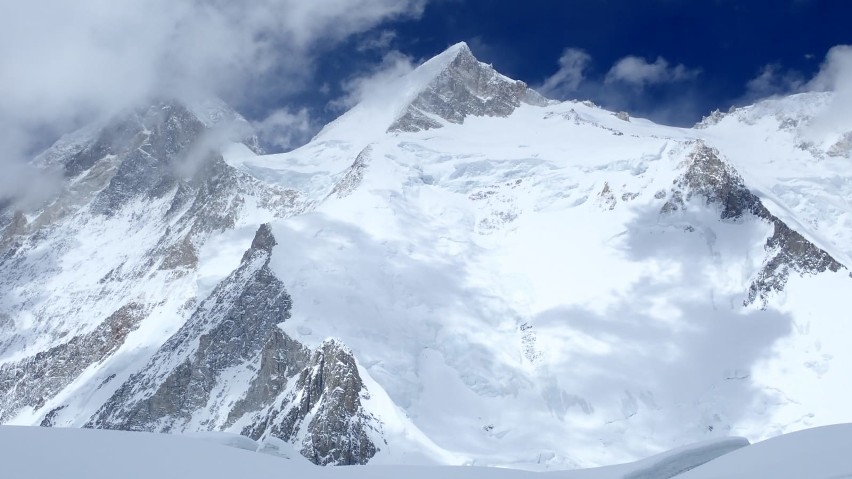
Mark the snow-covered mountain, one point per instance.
(455, 271)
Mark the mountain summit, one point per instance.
(463, 87)
(445, 89)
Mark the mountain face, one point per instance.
(233, 335)
(464, 87)
(721, 186)
(456, 271)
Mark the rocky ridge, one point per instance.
(464, 87)
(153, 177)
(709, 177)
(191, 382)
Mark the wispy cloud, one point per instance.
(285, 129)
(373, 82)
(773, 80)
(639, 72)
(572, 66)
(63, 61)
(624, 85)
(379, 41)
(834, 75)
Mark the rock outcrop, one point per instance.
(228, 330)
(465, 87)
(151, 177)
(323, 413)
(232, 345)
(353, 176)
(34, 380)
(718, 184)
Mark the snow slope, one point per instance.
(36, 453)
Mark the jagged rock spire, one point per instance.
(263, 241)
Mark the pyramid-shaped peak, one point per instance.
(460, 49)
(445, 89)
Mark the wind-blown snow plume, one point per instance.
(835, 75)
(572, 66)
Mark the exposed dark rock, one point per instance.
(145, 156)
(338, 431)
(212, 200)
(719, 185)
(17, 227)
(36, 379)
(50, 418)
(228, 329)
(281, 359)
(353, 176)
(153, 143)
(117, 137)
(263, 242)
(329, 390)
(235, 329)
(607, 198)
(181, 255)
(788, 252)
(466, 87)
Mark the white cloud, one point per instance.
(63, 60)
(773, 80)
(639, 72)
(835, 75)
(285, 129)
(572, 66)
(394, 66)
(835, 71)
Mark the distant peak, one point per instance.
(458, 86)
(445, 89)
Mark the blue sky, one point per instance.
(697, 55)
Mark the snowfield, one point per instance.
(47, 453)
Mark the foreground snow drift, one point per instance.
(32, 452)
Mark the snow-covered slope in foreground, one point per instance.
(42, 453)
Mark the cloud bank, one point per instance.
(68, 62)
